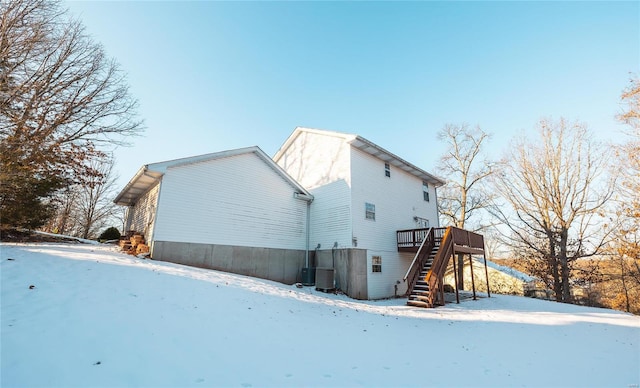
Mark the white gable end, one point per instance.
(237, 201)
(320, 161)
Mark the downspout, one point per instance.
(308, 199)
(435, 191)
(306, 254)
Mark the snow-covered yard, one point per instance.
(86, 315)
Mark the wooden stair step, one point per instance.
(417, 303)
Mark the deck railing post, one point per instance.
(473, 282)
(455, 276)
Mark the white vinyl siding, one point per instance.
(143, 214)
(398, 200)
(321, 164)
(394, 266)
(237, 200)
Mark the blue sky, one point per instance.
(212, 76)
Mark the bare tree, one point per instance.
(556, 188)
(83, 210)
(95, 202)
(624, 248)
(64, 219)
(631, 96)
(60, 98)
(462, 197)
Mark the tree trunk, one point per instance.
(564, 266)
(553, 266)
(624, 286)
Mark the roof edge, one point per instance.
(351, 138)
(129, 184)
(157, 170)
(432, 178)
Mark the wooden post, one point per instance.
(455, 277)
(473, 283)
(486, 272)
(460, 280)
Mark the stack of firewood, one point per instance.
(133, 243)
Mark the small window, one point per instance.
(425, 191)
(370, 211)
(376, 264)
(387, 170)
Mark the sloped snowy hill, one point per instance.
(95, 317)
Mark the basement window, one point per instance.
(387, 170)
(425, 191)
(370, 211)
(376, 264)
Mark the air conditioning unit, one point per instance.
(324, 279)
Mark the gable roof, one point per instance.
(367, 146)
(149, 174)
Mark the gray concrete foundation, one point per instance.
(281, 265)
(350, 269)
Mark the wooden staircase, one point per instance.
(435, 248)
(419, 292)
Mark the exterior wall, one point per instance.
(321, 164)
(234, 201)
(394, 266)
(350, 269)
(281, 265)
(142, 216)
(397, 199)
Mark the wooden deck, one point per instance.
(464, 241)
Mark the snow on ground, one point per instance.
(96, 317)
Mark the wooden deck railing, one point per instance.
(468, 239)
(409, 240)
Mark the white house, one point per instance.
(235, 210)
(363, 194)
(326, 199)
